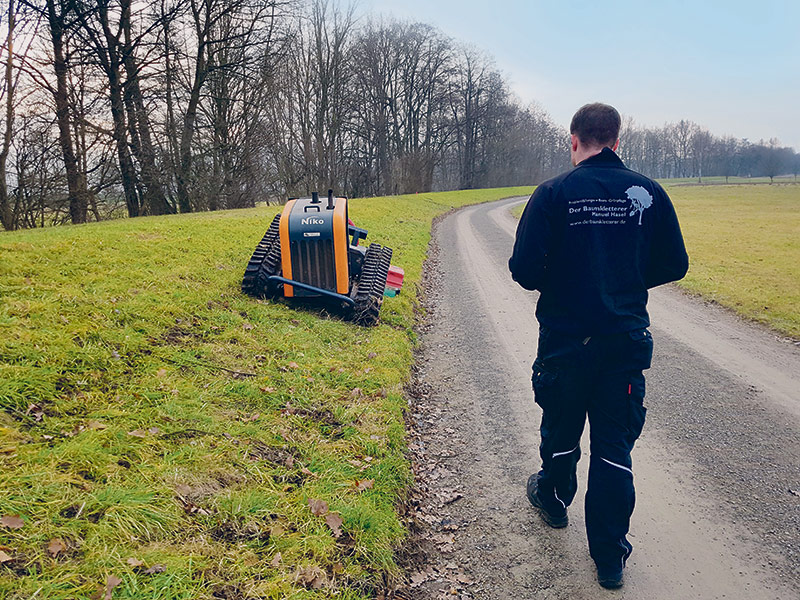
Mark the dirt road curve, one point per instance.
(717, 467)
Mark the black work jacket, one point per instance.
(593, 240)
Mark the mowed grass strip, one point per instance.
(164, 436)
(744, 248)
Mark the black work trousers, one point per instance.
(599, 377)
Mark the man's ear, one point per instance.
(574, 140)
(616, 145)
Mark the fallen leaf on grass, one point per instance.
(192, 508)
(4, 558)
(154, 431)
(247, 326)
(318, 507)
(364, 484)
(372, 355)
(267, 389)
(96, 425)
(276, 560)
(112, 582)
(334, 521)
(55, 547)
(134, 562)
(293, 365)
(162, 372)
(138, 433)
(35, 411)
(312, 577)
(276, 531)
(12, 521)
(156, 569)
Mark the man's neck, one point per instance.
(582, 153)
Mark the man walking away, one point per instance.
(592, 241)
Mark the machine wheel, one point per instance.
(371, 284)
(263, 260)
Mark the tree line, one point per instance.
(685, 149)
(115, 108)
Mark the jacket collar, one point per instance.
(606, 158)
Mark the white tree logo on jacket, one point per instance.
(640, 199)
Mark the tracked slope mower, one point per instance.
(311, 251)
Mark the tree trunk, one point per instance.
(6, 214)
(154, 201)
(185, 152)
(76, 182)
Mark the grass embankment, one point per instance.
(744, 249)
(164, 436)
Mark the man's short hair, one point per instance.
(596, 124)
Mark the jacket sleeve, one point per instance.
(668, 260)
(528, 262)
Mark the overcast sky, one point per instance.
(732, 66)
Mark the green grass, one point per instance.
(744, 249)
(733, 180)
(152, 415)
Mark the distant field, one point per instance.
(718, 180)
(744, 248)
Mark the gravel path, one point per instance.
(717, 476)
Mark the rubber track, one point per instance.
(372, 284)
(271, 265)
(250, 282)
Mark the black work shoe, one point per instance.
(611, 579)
(555, 521)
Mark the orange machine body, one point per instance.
(314, 245)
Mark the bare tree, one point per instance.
(6, 214)
(702, 143)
